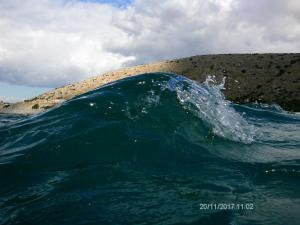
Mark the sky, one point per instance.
(49, 43)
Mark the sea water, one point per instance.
(151, 149)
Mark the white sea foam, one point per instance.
(207, 102)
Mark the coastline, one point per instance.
(265, 78)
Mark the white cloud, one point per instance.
(50, 43)
(54, 42)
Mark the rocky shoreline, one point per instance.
(264, 78)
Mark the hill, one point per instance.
(265, 78)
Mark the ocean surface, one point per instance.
(151, 149)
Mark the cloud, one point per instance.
(49, 43)
(167, 30)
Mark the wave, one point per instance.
(159, 102)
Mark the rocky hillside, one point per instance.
(266, 78)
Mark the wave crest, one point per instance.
(207, 102)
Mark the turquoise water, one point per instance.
(152, 149)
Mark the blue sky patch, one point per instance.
(116, 3)
(13, 93)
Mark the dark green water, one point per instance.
(153, 149)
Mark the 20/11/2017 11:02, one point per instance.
(226, 206)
